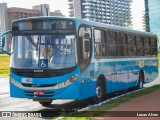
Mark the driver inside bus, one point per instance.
(46, 52)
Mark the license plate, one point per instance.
(38, 93)
(26, 80)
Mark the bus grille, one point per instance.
(33, 85)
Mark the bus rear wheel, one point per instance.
(45, 103)
(99, 95)
(140, 80)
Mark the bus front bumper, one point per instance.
(19, 91)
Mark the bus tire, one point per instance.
(46, 103)
(99, 93)
(140, 80)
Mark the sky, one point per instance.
(137, 12)
(137, 8)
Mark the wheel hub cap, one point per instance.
(98, 92)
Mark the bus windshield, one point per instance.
(56, 51)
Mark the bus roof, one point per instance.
(91, 23)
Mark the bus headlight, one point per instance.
(17, 84)
(68, 82)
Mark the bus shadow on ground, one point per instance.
(69, 106)
(55, 110)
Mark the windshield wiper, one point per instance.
(31, 40)
(53, 40)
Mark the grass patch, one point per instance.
(125, 98)
(99, 110)
(4, 64)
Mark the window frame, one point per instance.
(116, 33)
(122, 44)
(153, 46)
(132, 45)
(101, 43)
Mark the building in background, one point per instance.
(16, 13)
(56, 13)
(44, 9)
(7, 15)
(75, 8)
(115, 12)
(144, 23)
(4, 21)
(147, 16)
(153, 10)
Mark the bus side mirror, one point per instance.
(87, 46)
(4, 46)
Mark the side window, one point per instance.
(100, 44)
(131, 45)
(139, 45)
(112, 43)
(139, 41)
(122, 44)
(147, 50)
(153, 42)
(131, 39)
(84, 47)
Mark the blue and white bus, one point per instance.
(69, 58)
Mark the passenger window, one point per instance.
(147, 50)
(131, 50)
(139, 41)
(122, 44)
(112, 49)
(99, 36)
(153, 42)
(140, 51)
(100, 43)
(111, 37)
(139, 45)
(131, 39)
(131, 45)
(146, 41)
(122, 38)
(122, 50)
(154, 51)
(112, 43)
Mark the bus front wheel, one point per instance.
(98, 93)
(45, 103)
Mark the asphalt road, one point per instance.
(4, 85)
(8, 103)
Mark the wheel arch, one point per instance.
(101, 78)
